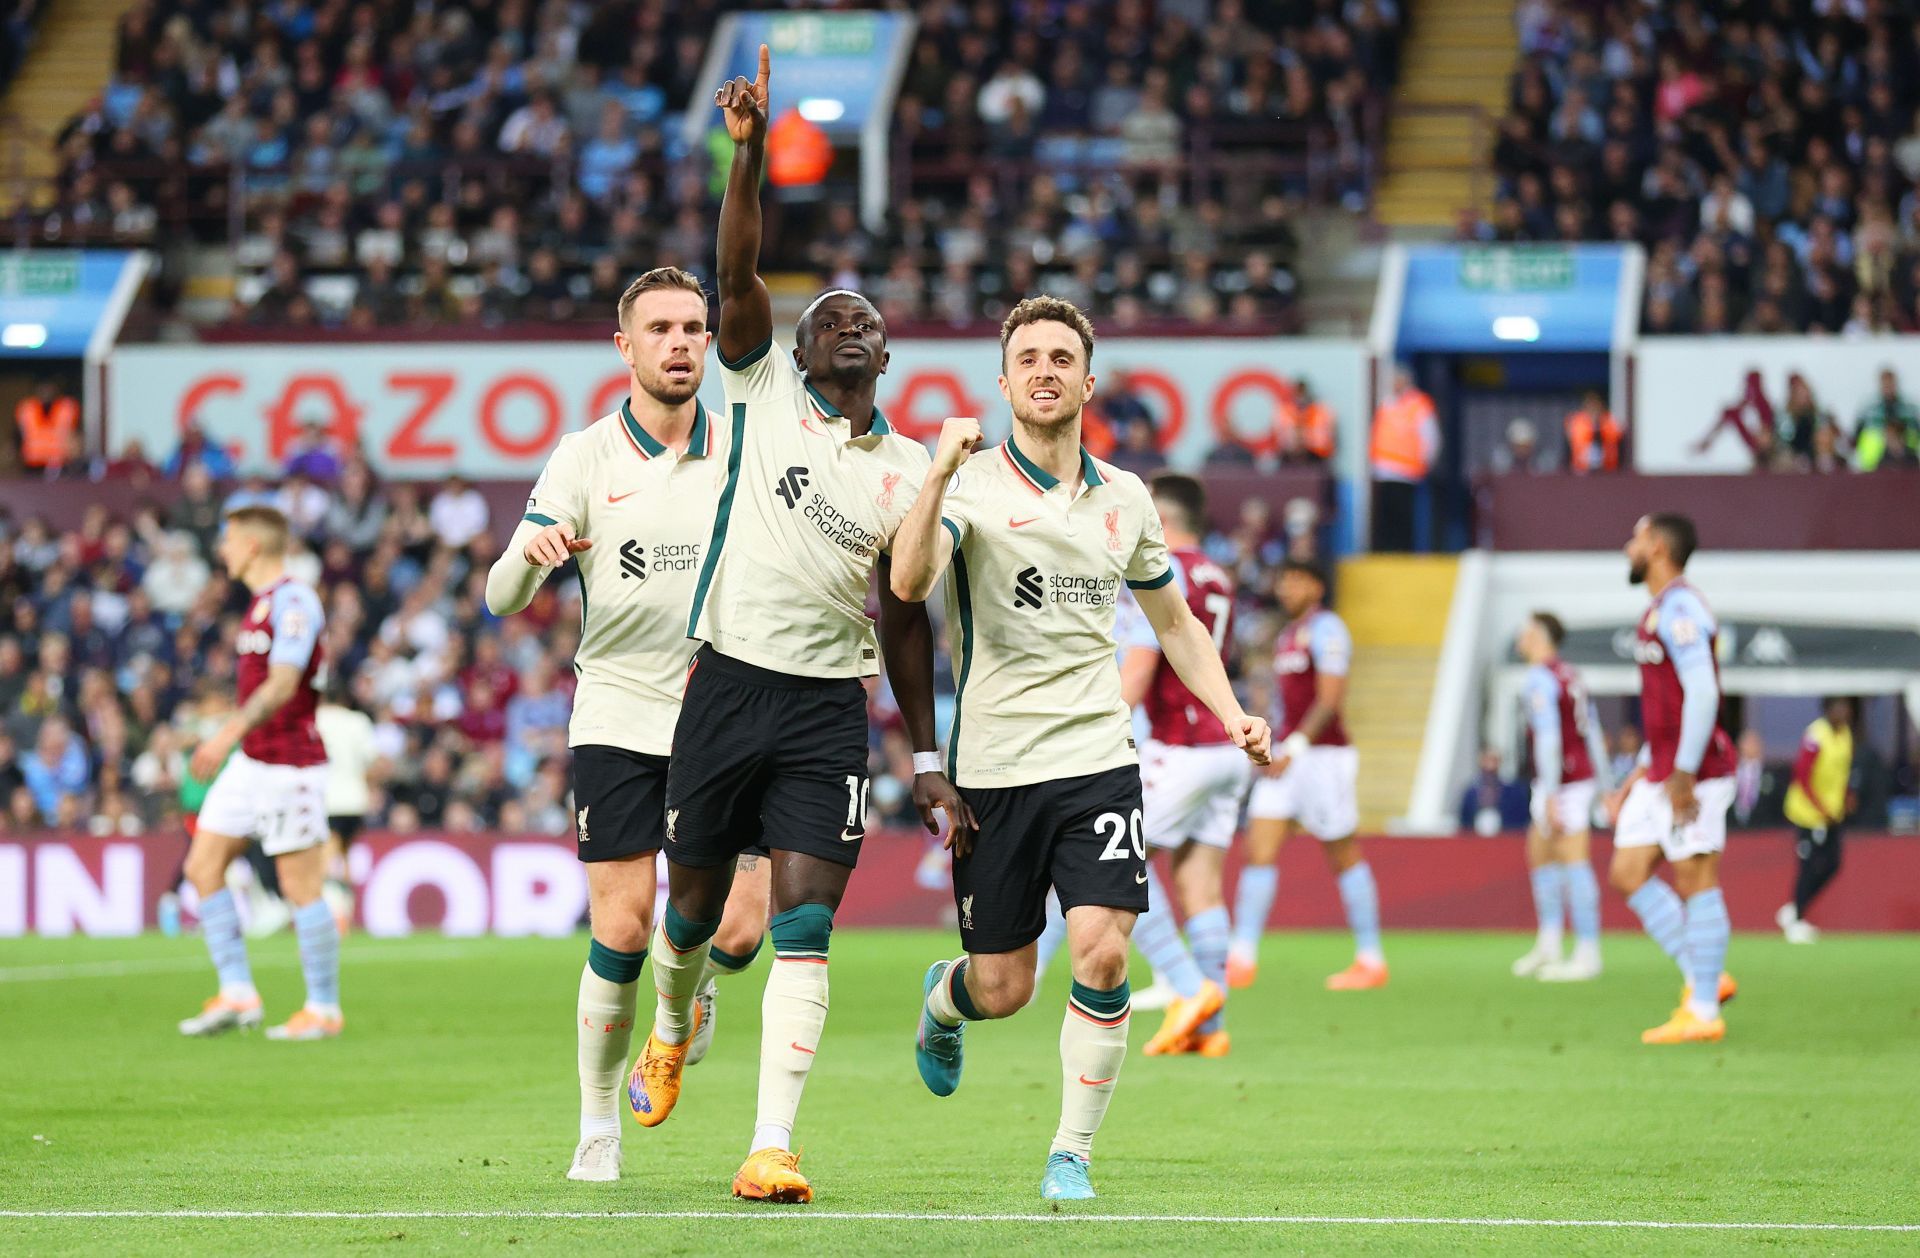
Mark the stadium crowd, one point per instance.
(1767, 156)
(512, 161)
(116, 652)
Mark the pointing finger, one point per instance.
(760, 80)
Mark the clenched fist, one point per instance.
(959, 437)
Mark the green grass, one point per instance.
(1458, 1092)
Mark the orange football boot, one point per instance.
(772, 1174)
(1686, 1027)
(1241, 972)
(1184, 1017)
(1359, 976)
(654, 1086)
(305, 1024)
(1212, 1044)
(1728, 989)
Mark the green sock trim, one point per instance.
(802, 931)
(614, 965)
(956, 980)
(733, 963)
(1107, 1004)
(684, 935)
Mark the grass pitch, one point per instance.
(1458, 1097)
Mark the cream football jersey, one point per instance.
(1031, 599)
(806, 510)
(648, 512)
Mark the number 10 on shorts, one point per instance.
(857, 788)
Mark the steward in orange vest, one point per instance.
(47, 423)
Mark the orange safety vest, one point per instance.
(1397, 449)
(46, 431)
(1316, 430)
(1582, 431)
(799, 154)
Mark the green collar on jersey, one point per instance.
(699, 444)
(1044, 480)
(880, 425)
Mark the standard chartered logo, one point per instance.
(1034, 589)
(1029, 588)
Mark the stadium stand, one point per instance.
(1767, 156)
(506, 164)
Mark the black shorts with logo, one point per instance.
(1080, 836)
(619, 802)
(766, 758)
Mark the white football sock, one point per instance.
(1093, 1044)
(604, 1025)
(793, 1013)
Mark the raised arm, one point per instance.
(746, 312)
(1190, 649)
(921, 548)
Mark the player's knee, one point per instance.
(623, 931)
(205, 869)
(999, 991)
(1626, 877)
(1103, 963)
(739, 936)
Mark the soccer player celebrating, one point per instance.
(1569, 760)
(1674, 804)
(273, 789)
(1192, 781)
(771, 745)
(631, 501)
(1822, 795)
(1039, 536)
(1309, 785)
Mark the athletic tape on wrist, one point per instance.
(926, 762)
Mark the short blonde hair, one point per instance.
(1047, 310)
(661, 277)
(265, 523)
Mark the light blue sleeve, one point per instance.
(1330, 645)
(1131, 628)
(1686, 631)
(297, 621)
(1543, 718)
(1597, 750)
(1179, 571)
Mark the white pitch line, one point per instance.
(927, 1216)
(350, 956)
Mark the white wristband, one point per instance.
(1294, 745)
(926, 762)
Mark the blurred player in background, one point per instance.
(1569, 766)
(630, 501)
(1192, 781)
(273, 788)
(1040, 536)
(1674, 804)
(771, 745)
(1823, 794)
(1310, 784)
(347, 734)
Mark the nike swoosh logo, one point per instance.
(1020, 524)
(852, 836)
(801, 1047)
(1139, 877)
(612, 499)
(1094, 1083)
